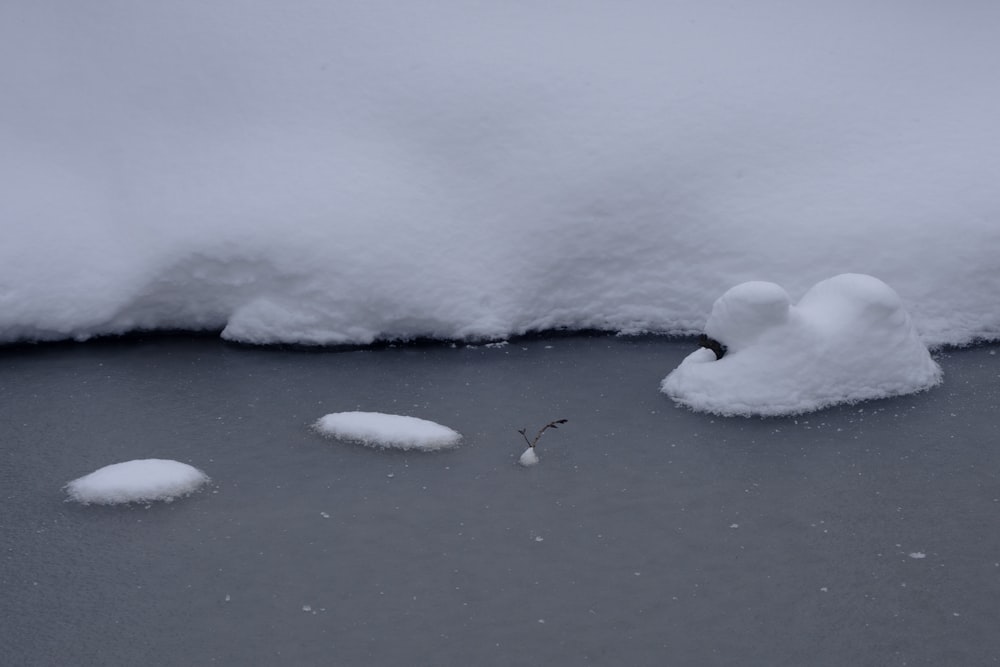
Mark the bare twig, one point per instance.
(551, 424)
(713, 345)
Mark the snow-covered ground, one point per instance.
(339, 172)
(141, 480)
(848, 339)
(377, 429)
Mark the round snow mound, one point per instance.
(142, 480)
(848, 339)
(377, 429)
(746, 311)
(528, 458)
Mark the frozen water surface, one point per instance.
(667, 536)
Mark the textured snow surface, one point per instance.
(528, 457)
(848, 339)
(142, 480)
(378, 429)
(336, 172)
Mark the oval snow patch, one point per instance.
(377, 429)
(142, 480)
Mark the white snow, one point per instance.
(378, 429)
(141, 480)
(528, 457)
(848, 339)
(338, 172)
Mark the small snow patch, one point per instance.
(918, 555)
(377, 429)
(142, 480)
(528, 458)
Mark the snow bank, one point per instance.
(142, 480)
(343, 171)
(848, 339)
(377, 429)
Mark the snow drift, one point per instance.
(141, 480)
(339, 172)
(377, 429)
(848, 339)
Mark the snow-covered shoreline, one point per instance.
(937, 326)
(347, 174)
(415, 341)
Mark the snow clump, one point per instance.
(377, 429)
(141, 480)
(848, 339)
(528, 457)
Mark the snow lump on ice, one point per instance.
(378, 429)
(142, 480)
(528, 458)
(848, 339)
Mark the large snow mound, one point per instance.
(337, 172)
(141, 480)
(848, 339)
(378, 429)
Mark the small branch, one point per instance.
(551, 424)
(713, 345)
